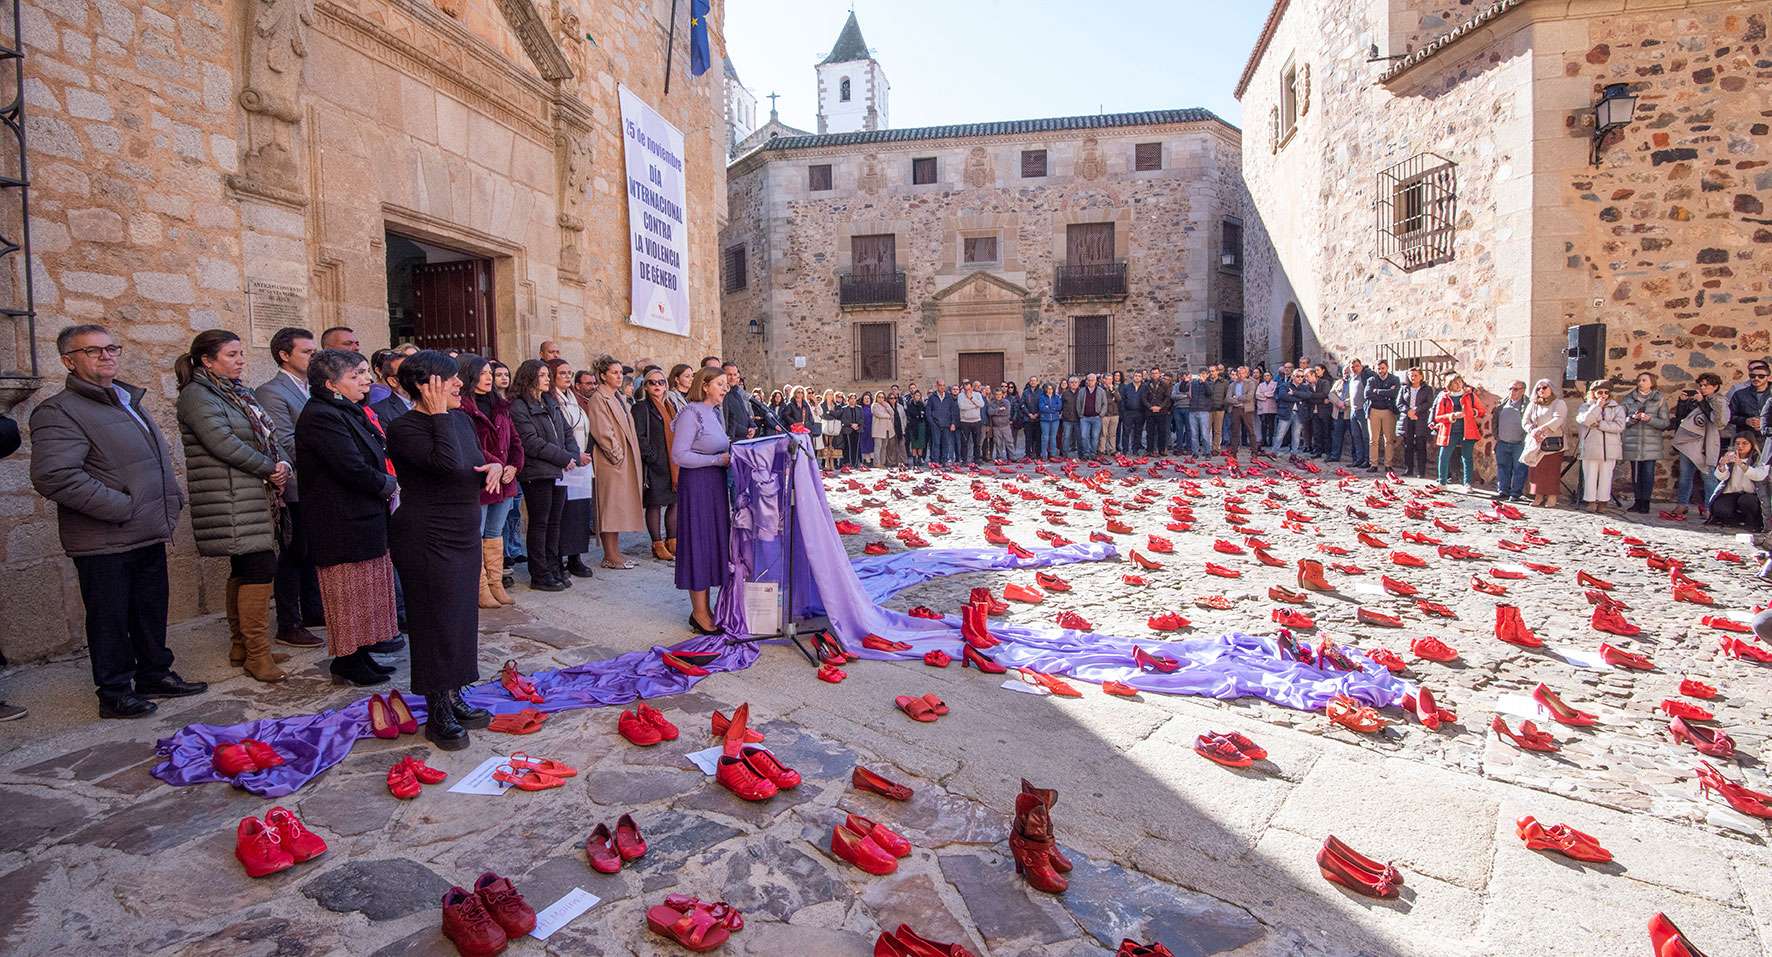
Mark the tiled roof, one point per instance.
(1000, 128)
(1434, 47)
(850, 46)
(1261, 42)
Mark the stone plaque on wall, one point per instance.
(271, 306)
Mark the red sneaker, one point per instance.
(507, 907)
(1433, 649)
(424, 773)
(259, 849)
(401, 782)
(263, 755)
(638, 730)
(1074, 621)
(737, 776)
(1219, 750)
(469, 927)
(652, 716)
(765, 764)
(1167, 621)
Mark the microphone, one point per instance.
(759, 410)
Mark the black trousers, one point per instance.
(547, 507)
(1740, 509)
(1032, 431)
(253, 568)
(1415, 450)
(1322, 429)
(125, 596)
(1156, 432)
(297, 586)
(1131, 437)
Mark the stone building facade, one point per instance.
(1447, 203)
(991, 250)
(247, 164)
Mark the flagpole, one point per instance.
(670, 46)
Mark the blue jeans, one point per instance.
(1350, 434)
(1684, 493)
(514, 544)
(1201, 431)
(1048, 438)
(1458, 450)
(941, 444)
(1510, 475)
(492, 518)
(1089, 433)
(1180, 433)
(1292, 432)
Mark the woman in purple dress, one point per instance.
(704, 514)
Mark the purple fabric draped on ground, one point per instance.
(826, 582)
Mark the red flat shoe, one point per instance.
(1163, 546)
(1711, 741)
(973, 658)
(1726, 624)
(846, 527)
(424, 773)
(401, 781)
(1511, 628)
(675, 664)
(765, 764)
(527, 721)
(1281, 593)
(880, 834)
(1506, 573)
(1220, 750)
(1561, 713)
(877, 643)
(1220, 546)
(916, 708)
(1334, 863)
(231, 760)
(864, 780)
(1693, 688)
(1528, 738)
(1074, 622)
(600, 852)
(736, 775)
(1291, 618)
(1434, 608)
(1137, 580)
(1407, 560)
(696, 929)
(1213, 602)
(1051, 582)
(1267, 558)
(1486, 587)
(1668, 940)
(302, 844)
(1119, 528)
(1401, 589)
(1387, 658)
(1433, 649)
(469, 927)
(1221, 571)
(1675, 708)
(1022, 594)
(1167, 621)
(629, 842)
(862, 852)
(917, 946)
(263, 755)
(875, 548)
(1460, 553)
(921, 611)
(1368, 616)
(1118, 689)
(940, 707)
(830, 673)
(1335, 550)
(1562, 839)
(1619, 658)
(1162, 664)
(637, 730)
(937, 659)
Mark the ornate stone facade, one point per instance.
(185, 154)
(797, 243)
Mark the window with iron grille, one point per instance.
(923, 170)
(1033, 163)
(736, 277)
(1090, 349)
(876, 348)
(818, 177)
(1230, 254)
(1288, 100)
(1416, 211)
(978, 249)
(1147, 156)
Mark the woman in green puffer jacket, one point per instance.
(236, 474)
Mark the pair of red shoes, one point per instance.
(925, 708)
(1668, 940)
(250, 754)
(390, 717)
(905, 942)
(1071, 621)
(1740, 797)
(277, 843)
(645, 726)
(607, 851)
(694, 924)
(749, 771)
(1738, 649)
(533, 774)
(527, 721)
(517, 686)
(408, 773)
(874, 642)
(1230, 749)
(1421, 703)
(1562, 839)
(483, 921)
(869, 845)
(1132, 948)
(1528, 738)
(1341, 864)
(1167, 621)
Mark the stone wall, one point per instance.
(182, 153)
(798, 243)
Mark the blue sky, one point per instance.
(958, 61)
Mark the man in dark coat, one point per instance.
(99, 457)
(283, 396)
(944, 421)
(1155, 399)
(1030, 416)
(736, 407)
(1381, 416)
(9, 443)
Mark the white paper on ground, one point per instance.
(1518, 705)
(561, 912)
(1016, 684)
(708, 760)
(577, 482)
(479, 780)
(1735, 820)
(1590, 660)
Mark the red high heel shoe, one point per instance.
(382, 723)
(1619, 658)
(1668, 940)
(1528, 738)
(517, 686)
(1740, 797)
(1159, 663)
(404, 722)
(1711, 741)
(1339, 864)
(1738, 649)
(719, 723)
(1145, 563)
(521, 761)
(971, 657)
(1562, 839)
(1427, 710)
(1584, 578)
(864, 780)
(1561, 713)
(1433, 649)
(1511, 628)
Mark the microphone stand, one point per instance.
(789, 627)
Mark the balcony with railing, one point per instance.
(861, 290)
(1090, 281)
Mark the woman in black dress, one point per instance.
(653, 418)
(435, 535)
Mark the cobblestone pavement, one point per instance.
(101, 858)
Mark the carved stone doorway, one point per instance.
(439, 298)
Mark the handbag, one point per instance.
(1552, 443)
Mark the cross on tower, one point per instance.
(772, 98)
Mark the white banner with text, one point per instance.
(658, 231)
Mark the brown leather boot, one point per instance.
(236, 641)
(671, 546)
(661, 551)
(255, 632)
(487, 598)
(1031, 843)
(1048, 797)
(492, 557)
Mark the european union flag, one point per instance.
(699, 60)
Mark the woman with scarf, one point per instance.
(1458, 417)
(491, 414)
(654, 418)
(1544, 420)
(677, 390)
(346, 487)
(236, 475)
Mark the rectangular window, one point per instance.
(818, 177)
(922, 170)
(1089, 244)
(1417, 211)
(736, 277)
(1147, 156)
(874, 254)
(1033, 163)
(1230, 254)
(979, 249)
(1090, 350)
(1288, 100)
(876, 348)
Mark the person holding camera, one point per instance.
(1699, 418)
(1737, 498)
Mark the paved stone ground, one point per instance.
(101, 858)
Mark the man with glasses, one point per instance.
(99, 457)
(1745, 402)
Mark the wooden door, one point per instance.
(454, 306)
(1089, 244)
(986, 367)
(874, 254)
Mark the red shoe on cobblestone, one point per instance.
(259, 848)
(1341, 864)
(1552, 703)
(1167, 621)
(1562, 839)
(1407, 560)
(1528, 738)
(1401, 589)
(1267, 558)
(1511, 628)
(1387, 658)
(401, 782)
(864, 780)
(1433, 649)
(1427, 710)
(1687, 592)
(1023, 594)
(1221, 571)
(1434, 608)
(1619, 658)
(1738, 649)
(923, 611)
(1487, 587)
(1073, 621)
(1219, 750)
(1740, 797)
(1727, 624)
(1607, 619)
(1584, 578)
(1135, 580)
(1711, 741)
(1291, 618)
(1693, 688)
(1287, 595)
(1370, 616)
(1675, 708)
(1050, 583)
(469, 927)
